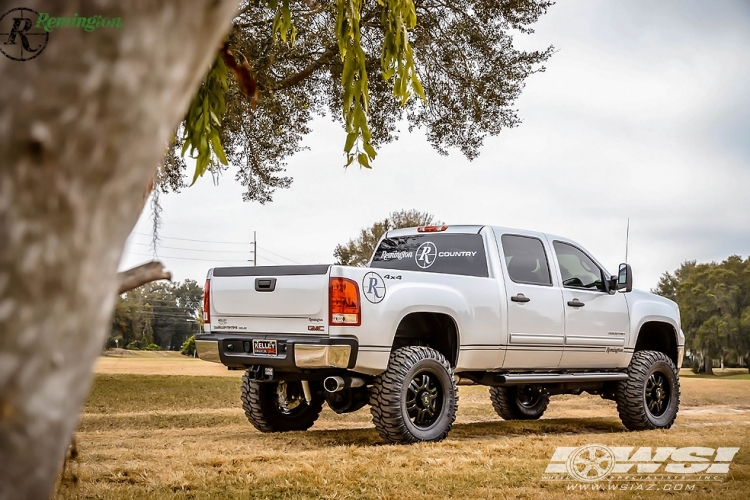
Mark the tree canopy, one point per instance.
(357, 251)
(357, 61)
(714, 302)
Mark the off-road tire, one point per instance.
(260, 402)
(632, 397)
(390, 390)
(507, 404)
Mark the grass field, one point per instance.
(171, 427)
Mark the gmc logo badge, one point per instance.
(313, 328)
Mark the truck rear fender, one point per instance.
(432, 329)
(427, 323)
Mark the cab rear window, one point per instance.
(461, 254)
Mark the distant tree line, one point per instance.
(714, 302)
(157, 316)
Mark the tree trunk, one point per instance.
(708, 366)
(82, 127)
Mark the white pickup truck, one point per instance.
(528, 314)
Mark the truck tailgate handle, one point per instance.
(265, 284)
(520, 298)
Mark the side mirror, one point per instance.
(625, 278)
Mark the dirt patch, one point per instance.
(714, 410)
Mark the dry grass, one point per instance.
(158, 363)
(151, 436)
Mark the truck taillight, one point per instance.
(431, 229)
(207, 302)
(343, 302)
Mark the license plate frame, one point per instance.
(265, 347)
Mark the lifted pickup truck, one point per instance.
(528, 314)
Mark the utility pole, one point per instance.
(254, 251)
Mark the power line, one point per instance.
(212, 251)
(269, 260)
(156, 307)
(202, 260)
(198, 241)
(192, 249)
(277, 255)
(212, 241)
(187, 258)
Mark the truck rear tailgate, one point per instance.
(270, 299)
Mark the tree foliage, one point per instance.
(714, 302)
(160, 314)
(357, 252)
(360, 61)
(202, 125)
(188, 347)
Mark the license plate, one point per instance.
(264, 347)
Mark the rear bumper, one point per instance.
(294, 353)
(208, 350)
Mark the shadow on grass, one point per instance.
(549, 426)
(468, 431)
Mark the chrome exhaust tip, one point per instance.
(336, 384)
(333, 384)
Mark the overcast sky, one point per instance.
(644, 112)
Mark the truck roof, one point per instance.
(469, 229)
(475, 229)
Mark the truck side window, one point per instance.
(526, 260)
(577, 269)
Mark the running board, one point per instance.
(497, 379)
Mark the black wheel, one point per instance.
(416, 398)
(518, 402)
(280, 406)
(650, 397)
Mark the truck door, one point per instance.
(596, 323)
(535, 310)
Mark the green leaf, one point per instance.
(362, 159)
(370, 150)
(417, 85)
(218, 149)
(351, 137)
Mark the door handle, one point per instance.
(520, 298)
(265, 284)
(575, 303)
